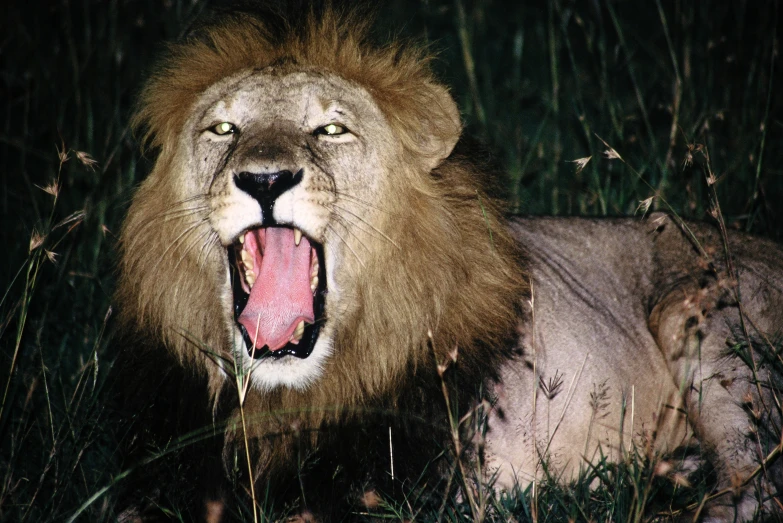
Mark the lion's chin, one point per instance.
(278, 282)
(273, 373)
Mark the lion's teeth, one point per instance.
(250, 277)
(314, 276)
(241, 238)
(247, 260)
(297, 236)
(298, 331)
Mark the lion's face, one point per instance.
(291, 167)
(305, 215)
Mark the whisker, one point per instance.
(347, 245)
(184, 211)
(188, 230)
(211, 239)
(347, 225)
(200, 239)
(373, 227)
(355, 199)
(185, 203)
(184, 252)
(191, 199)
(205, 239)
(178, 211)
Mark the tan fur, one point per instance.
(418, 249)
(463, 285)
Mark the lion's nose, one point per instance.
(265, 188)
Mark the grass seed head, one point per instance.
(53, 188)
(644, 205)
(62, 154)
(87, 160)
(52, 256)
(581, 163)
(611, 154)
(36, 240)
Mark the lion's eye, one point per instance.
(332, 129)
(223, 128)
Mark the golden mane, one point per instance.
(456, 271)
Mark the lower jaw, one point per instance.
(300, 350)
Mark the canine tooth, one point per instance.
(298, 331)
(297, 236)
(247, 260)
(313, 283)
(241, 238)
(250, 277)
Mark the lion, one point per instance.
(312, 228)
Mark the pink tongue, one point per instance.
(281, 296)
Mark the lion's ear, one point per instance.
(441, 125)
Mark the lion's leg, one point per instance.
(698, 332)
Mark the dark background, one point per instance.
(538, 83)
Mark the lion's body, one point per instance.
(411, 265)
(635, 326)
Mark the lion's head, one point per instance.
(306, 214)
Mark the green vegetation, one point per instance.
(543, 84)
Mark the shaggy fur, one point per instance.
(449, 266)
(422, 270)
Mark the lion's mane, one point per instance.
(455, 281)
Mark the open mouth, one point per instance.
(279, 283)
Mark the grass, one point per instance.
(538, 82)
